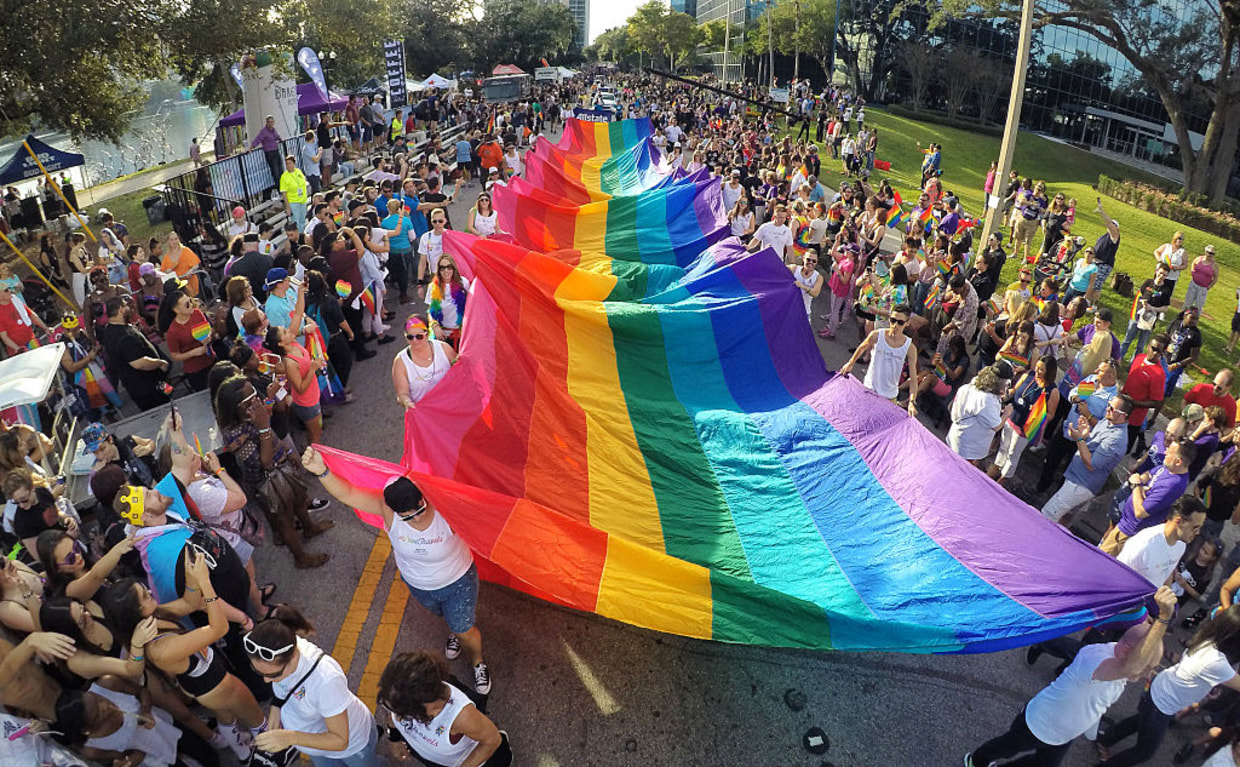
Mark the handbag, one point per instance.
(290, 755)
(284, 487)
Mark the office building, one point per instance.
(685, 6)
(581, 14)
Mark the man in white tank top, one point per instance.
(891, 351)
(808, 278)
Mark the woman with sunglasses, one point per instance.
(190, 656)
(417, 690)
(430, 248)
(1024, 412)
(421, 365)
(432, 559)
(314, 710)
(195, 354)
(302, 370)
(483, 220)
(70, 570)
(446, 303)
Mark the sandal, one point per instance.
(266, 591)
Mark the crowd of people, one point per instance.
(135, 624)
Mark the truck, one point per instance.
(506, 88)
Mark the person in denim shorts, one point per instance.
(432, 559)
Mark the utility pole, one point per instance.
(770, 41)
(1015, 102)
(796, 41)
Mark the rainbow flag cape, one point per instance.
(1035, 422)
(201, 332)
(766, 500)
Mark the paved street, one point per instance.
(576, 690)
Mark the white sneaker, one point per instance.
(452, 648)
(218, 741)
(482, 679)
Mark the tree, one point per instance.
(1178, 55)
(959, 70)
(435, 36)
(921, 62)
(681, 37)
(812, 35)
(520, 32)
(991, 84)
(614, 45)
(74, 65)
(645, 28)
(713, 34)
(871, 29)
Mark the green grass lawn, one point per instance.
(967, 157)
(128, 208)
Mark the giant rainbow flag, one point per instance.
(641, 426)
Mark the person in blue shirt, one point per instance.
(465, 157)
(1100, 446)
(400, 256)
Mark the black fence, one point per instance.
(212, 191)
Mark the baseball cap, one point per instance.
(401, 495)
(492, 170)
(94, 435)
(275, 277)
(1193, 412)
(238, 212)
(1209, 248)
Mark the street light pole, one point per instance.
(770, 40)
(1015, 101)
(796, 41)
(727, 40)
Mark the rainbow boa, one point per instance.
(457, 296)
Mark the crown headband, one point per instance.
(135, 499)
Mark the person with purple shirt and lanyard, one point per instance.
(269, 138)
(1153, 495)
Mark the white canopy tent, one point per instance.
(26, 378)
(434, 81)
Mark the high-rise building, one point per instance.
(740, 11)
(685, 6)
(581, 14)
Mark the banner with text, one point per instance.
(394, 57)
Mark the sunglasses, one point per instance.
(899, 320)
(445, 266)
(73, 554)
(265, 653)
(415, 336)
(415, 513)
(1116, 411)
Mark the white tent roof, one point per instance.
(566, 72)
(26, 378)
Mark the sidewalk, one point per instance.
(92, 196)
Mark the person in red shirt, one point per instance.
(17, 323)
(194, 354)
(1146, 385)
(1217, 393)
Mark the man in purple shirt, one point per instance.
(270, 140)
(1153, 495)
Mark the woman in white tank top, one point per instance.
(421, 365)
(483, 221)
(432, 559)
(438, 721)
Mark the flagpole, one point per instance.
(37, 273)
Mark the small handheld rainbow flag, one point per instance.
(1085, 389)
(1017, 360)
(1036, 420)
(926, 217)
(994, 308)
(1133, 314)
(1207, 496)
(894, 215)
(197, 444)
(835, 215)
(201, 332)
(945, 269)
(940, 370)
(932, 294)
(368, 299)
(344, 288)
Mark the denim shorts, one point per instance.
(455, 603)
(307, 413)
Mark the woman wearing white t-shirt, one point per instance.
(313, 708)
(1208, 663)
(430, 248)
(431, 558)
(436, 719)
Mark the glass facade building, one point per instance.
(685, 6)
(1077, 88)
(581, 14)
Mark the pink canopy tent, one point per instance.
(309, 102)
(508, 69)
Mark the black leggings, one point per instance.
(1058, 453)
(1019, 740)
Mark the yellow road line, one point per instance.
(363, 598)
(384, 641)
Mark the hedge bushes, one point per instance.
(1171, 206)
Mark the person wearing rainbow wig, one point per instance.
(421, 365)
(448, 293)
